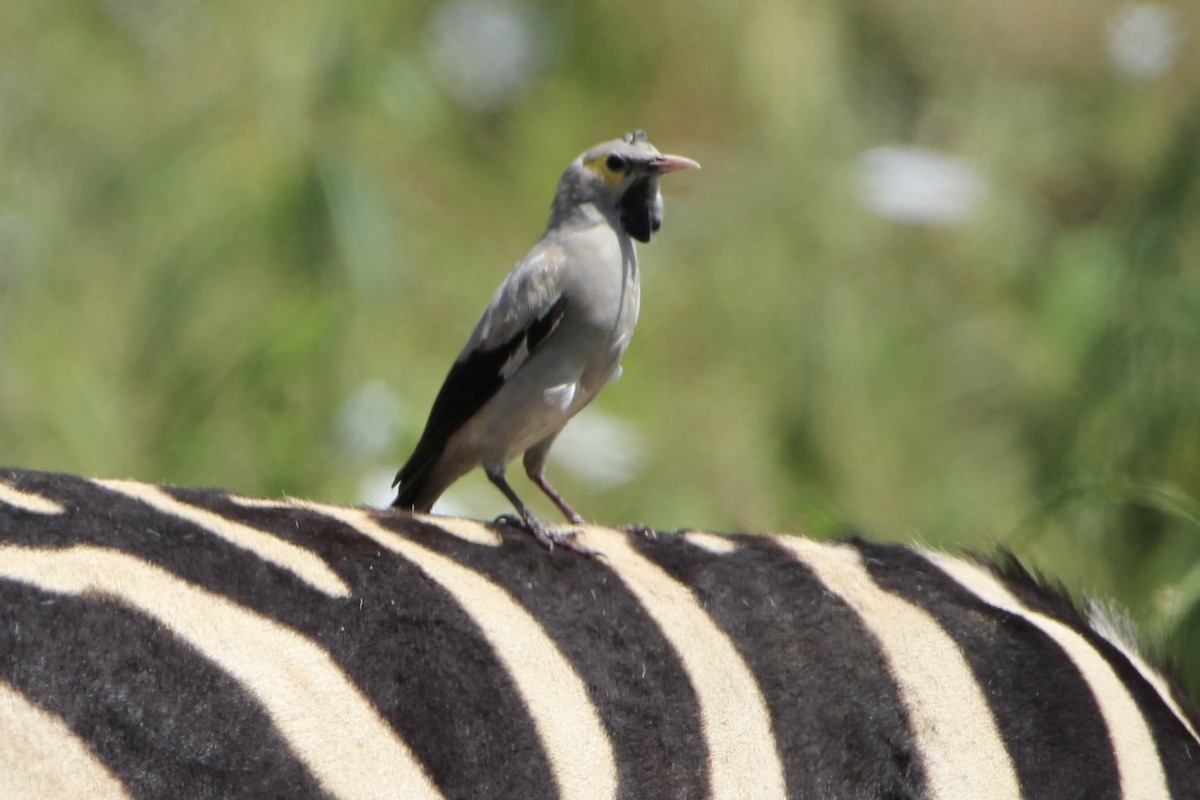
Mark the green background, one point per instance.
(240, 245)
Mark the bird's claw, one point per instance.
(638, 529)
(567, 540)
(511, 520)
(546, 536)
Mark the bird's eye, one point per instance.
(615, 163)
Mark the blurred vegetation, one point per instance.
(241, 244)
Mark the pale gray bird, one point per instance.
(552, 336)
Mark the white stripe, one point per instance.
(43, 758)
(568, 724)
(28, 502)
(743, 760)
(1133, 744)
(1107, 627)
(468, 530)
(717, 545)
(961, 747)
(303, 563)
(324, 718)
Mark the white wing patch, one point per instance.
(516, 360)
(561, 396)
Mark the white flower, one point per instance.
(1143, 40)
(916, 185)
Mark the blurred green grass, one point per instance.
(240, 246)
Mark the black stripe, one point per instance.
(635, 679)
(841, 728)
(1046, 714)
(410, 648)
(166, 722)
(104, 518)
(1177, 749)
(423, 662)
(430, 671)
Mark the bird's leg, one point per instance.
(546, 536)
(540, 481)
(535, 468)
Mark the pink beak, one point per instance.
(665, 163)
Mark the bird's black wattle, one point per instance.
(641, 209)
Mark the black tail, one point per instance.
(412, 478)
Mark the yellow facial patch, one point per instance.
(598, 164)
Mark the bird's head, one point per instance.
(620, 177)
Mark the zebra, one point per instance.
(181, 642)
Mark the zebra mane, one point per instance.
(1044, 592)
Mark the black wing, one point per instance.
(473, 380)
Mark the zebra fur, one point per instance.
(167, 642)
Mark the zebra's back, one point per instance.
(160, 642)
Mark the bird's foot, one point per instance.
(568, 540)
(546, 536)
(638, 529)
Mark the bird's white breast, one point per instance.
(604, 298)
